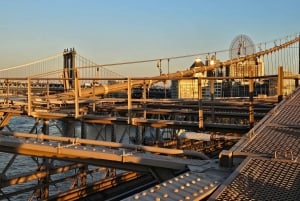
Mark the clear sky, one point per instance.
(109, 31)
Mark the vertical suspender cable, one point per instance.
(271, 70)
(294, 56)
(284, 58)
(288, 57)
(299, 54)
(279, 58)
(297, 80)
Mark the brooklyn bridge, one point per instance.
(72, 129)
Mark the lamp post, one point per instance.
(158, 65)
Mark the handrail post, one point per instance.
(212, 99)
(280, 84)
(200, 105)
(251, 95)
(48, 94)
(94, 97)
(7, 91)
(29, 103)
(144, 97)
(76, 95)
(129, 100)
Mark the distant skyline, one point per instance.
(118, 31)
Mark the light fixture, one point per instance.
(197, 60)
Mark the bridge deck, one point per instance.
(276, 135)
(279, 131)
(271, 170)
(271, 148)
(274, 173)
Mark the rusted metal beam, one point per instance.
(78, 192)
(23, 178)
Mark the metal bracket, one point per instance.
(284, 155)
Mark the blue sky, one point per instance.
(125, 30)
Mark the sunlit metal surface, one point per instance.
(279, 131)
(187, 186)
(272, 169)
(262, 179)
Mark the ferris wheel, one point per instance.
(241, 45)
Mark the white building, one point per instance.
(243, 69)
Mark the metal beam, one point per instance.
(71, 149)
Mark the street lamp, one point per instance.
(158, 65)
